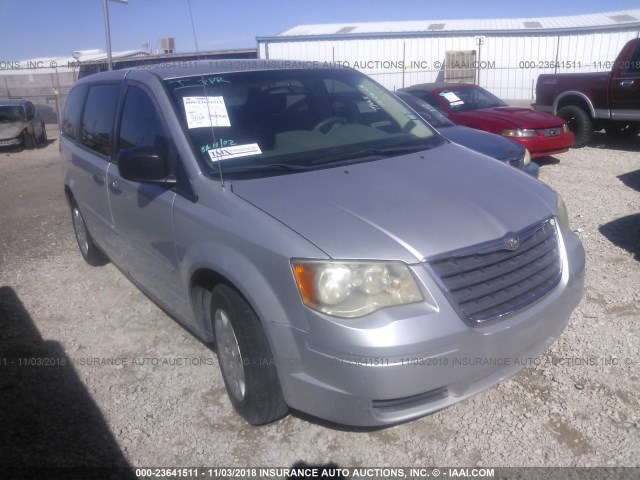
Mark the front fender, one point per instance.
(266, 283)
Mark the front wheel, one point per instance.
(247, 365)
(28, 141)
(622, 131)
(579, 123)
(43, 138)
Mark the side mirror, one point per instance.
(143, 164)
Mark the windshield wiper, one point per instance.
(265, 167)
(367, 152)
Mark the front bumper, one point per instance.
(542, 146)
(10, 142)
(406, 362)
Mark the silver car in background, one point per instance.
(21, 124)
(342, 257)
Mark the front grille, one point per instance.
(551, 132)
(495, 279)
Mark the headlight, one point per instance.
(527, 157)
(562, 214)
(353, 289)
(519, 133)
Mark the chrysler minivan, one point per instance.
(342, 258)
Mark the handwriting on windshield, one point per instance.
(189, 83)
(219, 144)
(371, 103)
(213, 81)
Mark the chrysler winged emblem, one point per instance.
(513, 242)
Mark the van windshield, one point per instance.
(293, 119)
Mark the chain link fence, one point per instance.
(47, 91)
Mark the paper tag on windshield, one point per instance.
(234, 151)
(206, 112)
(452, 97)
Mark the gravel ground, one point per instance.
(579, 406)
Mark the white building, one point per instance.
(504, 56)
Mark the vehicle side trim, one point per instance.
(633, 115)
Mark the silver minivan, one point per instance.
(342, 257)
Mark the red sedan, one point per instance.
(541, 133)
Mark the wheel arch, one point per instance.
(241, 274)
(577, 99)
(68, 194)
(201, 285)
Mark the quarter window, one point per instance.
(140, 125)
(99, 113)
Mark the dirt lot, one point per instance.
(580, 406)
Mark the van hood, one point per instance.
(408, 208)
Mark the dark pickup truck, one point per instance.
(592, 101)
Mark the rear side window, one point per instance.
(99, 113)
(73, 111)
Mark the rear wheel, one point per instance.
(89, 250)
(622, 130)
(247, 365)
(579, 123)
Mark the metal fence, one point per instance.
(508, 64)
(47, 91)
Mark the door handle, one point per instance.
(626, 83)
(98, 178)
(115, 187)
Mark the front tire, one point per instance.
(247, 365)
(89, 250)
(43, 138)
(28, 141)
(579, 123)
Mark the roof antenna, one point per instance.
(193, 28)
(204, 91)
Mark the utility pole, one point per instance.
(107, 30)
